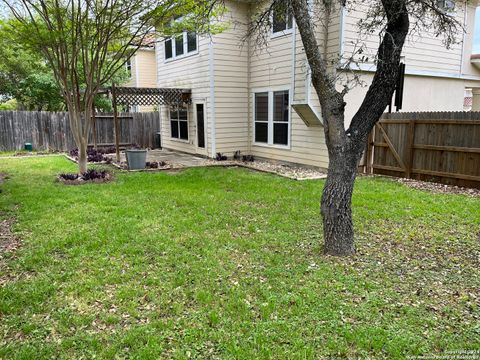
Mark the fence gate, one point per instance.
(440, 147)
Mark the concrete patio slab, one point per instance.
(175, 159)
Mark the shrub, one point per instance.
(69, 177)
(90, 174)
(155, 164)
(93, 174)
(93, 156)
(237, 155)
(221, 157)
(248, 158)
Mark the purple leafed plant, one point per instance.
(248, 158)
(70, 177)
(94, 156)
(93, 174)
(221, 157)
(90, 174)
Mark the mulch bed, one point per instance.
(151, 166)
(80, 181)
(439, 188)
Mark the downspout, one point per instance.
(342, 31)
(465, 18)
(308, 81)
(294, 59)
(249, 95)
(212, 97)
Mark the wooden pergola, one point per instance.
(132, 96)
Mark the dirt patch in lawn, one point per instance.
(439, 188)
(8, 241)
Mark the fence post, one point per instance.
(116, 123)
(410, 148)
(369, 157)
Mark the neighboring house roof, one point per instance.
(148, 41)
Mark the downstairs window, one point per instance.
(272, 118)
(179, 123)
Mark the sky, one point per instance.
(3, 9)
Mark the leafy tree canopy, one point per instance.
(24, 74)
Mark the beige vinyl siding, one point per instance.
(190, 72)
(425, 53)
(144, 72)
(231, 82)
(447, 95)
(468, 68)
(146, 63)
(433, 81)
(272, 69)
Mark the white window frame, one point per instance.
(270, 143)
(185, 48)
(179, 139)
(287, 31)
(448, 6)
(199, 149)
(186, 53)
(129, 68)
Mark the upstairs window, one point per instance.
(181, 45)
(179, 123)
(128, 66)
(282, 20)
(447, 6)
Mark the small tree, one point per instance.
(393, 20)
(85, 42)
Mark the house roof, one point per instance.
(148, 41)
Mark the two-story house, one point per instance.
(261, 101)
(142, 70)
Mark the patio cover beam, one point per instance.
(132, 96)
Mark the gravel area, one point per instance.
(285, 170)
(439, 188)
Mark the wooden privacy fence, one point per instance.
(51, 130)
(433, 146)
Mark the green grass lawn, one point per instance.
(227, 263)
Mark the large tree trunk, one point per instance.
(336, 204)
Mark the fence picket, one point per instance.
(435, 146)
(51, 130)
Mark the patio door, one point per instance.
(200, 116)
